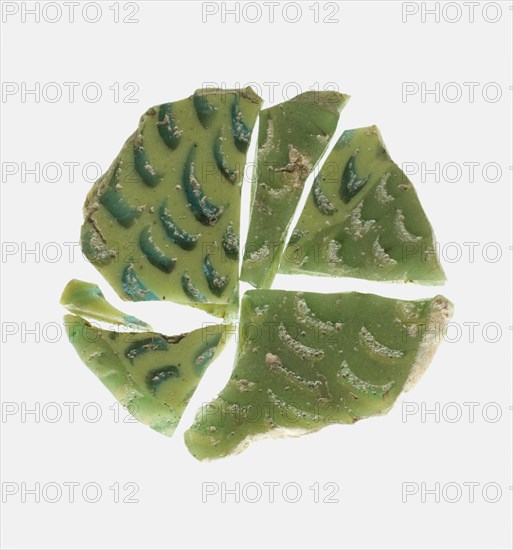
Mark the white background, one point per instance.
(369, 53)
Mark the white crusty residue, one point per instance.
(305, 352)
(411, 329)
(276, 194)
(269, 138)
(305, 316)
(282, 404)
(375, 347)
(358, 228)
(207, 355)
(408, 313)
(272, 360)
(259, 255)
(274, 363)
(408, 309)
(401, 230)
(361, 385)
(333, 252)
(440, 312)
(381, 190)
(296, 170)
(244, 385)
(261, 310)
(381, 258)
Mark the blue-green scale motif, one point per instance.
(163, 222)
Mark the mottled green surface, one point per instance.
(87, 300)
(151, 374)
(307, 360)
(292, 137)
(363, 219)
(163, 222)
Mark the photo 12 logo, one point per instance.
(277, 91)
(69, 92)
(69, 171)
(68, 412)
(52, 492)
(451, 12)
(454, 171)
(451, 92)
(251, 492)
(270, 12)
(70, 12)
(451, 412)
(451, 492)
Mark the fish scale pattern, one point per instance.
(363, 219)
(292, 138)
(150, 374)
(163, 222)
(307, 360)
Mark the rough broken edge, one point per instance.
(441, 311)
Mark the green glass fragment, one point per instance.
(205, 212)
(204, 109)
(167, 127)
(142, 164)
(231, 243)
(133, 288)
(171, 199)
(152, 375)
(292, 137)
(307, 360)
(363, 219)
(117, 206)
(87, 300)
(155, 255)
